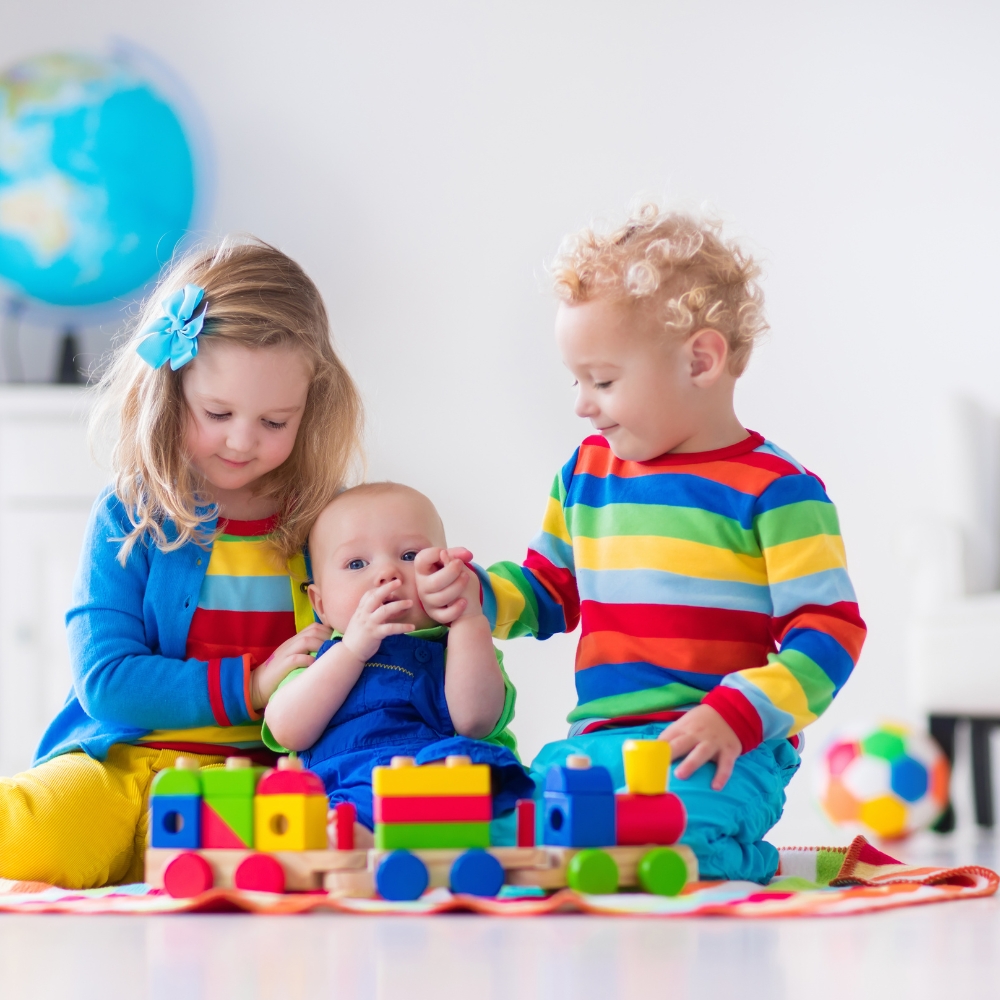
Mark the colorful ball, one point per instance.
(888, 779)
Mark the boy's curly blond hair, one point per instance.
(676, 262)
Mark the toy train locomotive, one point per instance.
(246, 827)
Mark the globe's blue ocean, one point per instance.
(97, 179)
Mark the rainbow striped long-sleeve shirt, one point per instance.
(718, 577)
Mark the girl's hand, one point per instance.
(699, 736)
(447, 588)
(290, 654)
(372, 621)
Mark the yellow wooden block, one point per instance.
(432, 779)
(647, 766)
(290, 822)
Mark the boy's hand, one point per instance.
(699, 736)
(447, 588)
(372, 621)
(290, 654)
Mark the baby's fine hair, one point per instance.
(257, 297)
(679, 264)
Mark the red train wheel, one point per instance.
(260, 873)
(188, 875)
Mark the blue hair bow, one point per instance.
(173, 335)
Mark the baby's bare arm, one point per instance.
(473, 681)
(298, 713)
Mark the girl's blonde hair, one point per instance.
(675, 262)
(256, 297)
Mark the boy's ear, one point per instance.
(708, 351)
(316, 600)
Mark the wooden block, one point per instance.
(647, 766)
(290, 822)
(227, 823)
(412, 836)
(433, 809)
(345, 817)
(432, 779)
(175, 820)
(350, 884)
(526, 823)
(176, 781)
(649, 819)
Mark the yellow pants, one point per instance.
(81, 823)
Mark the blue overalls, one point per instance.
(398, 708)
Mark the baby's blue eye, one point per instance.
(357, 564)
(409, 556)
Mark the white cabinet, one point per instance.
(48, 482)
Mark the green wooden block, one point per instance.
(415, 836)
(226, 782)
(176, 781)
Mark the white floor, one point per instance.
(935, 951)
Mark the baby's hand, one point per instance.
(372, 621)
(699, 736)
(447, 588)
(290, 654)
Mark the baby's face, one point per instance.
(360, 542)
(633, 383)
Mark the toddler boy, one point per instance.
(704, 564)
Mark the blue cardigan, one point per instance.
(128, 629)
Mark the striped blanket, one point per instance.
(811, 882)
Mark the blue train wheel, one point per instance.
(476, 873)
(401, 876)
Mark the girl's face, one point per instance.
(244, 410)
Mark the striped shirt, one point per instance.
(249, 604)
(717, 578)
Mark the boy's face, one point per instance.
(362, 541)
(638, 387)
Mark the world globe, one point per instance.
(97, 179)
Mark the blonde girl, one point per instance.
(234, 424)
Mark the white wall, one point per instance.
(423, 160)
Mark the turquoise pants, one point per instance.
(725, 829)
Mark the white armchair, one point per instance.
(954, 652)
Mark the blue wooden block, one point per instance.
(401, 876)
(476, 873)
(175, 821)
(579, 819)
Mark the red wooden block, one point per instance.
(434, 809)
(188, 875)
(650, 819)
(288, 782)
(346, 815)
(525, 823)
(261, 873)
(215, 831)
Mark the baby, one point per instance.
(393, 680)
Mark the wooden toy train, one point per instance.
(244, 827)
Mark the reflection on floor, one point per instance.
(934, 951)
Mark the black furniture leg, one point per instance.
(943, 730)
(982, 778)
